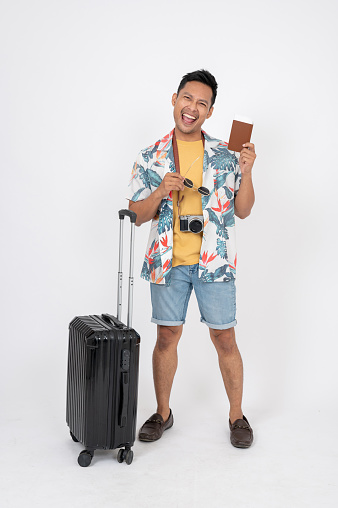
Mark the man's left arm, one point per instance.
(245, 196)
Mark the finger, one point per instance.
(175, 188)
(175, 185)
(250, 146)
(248, 151)
(248, 156)
(175, 176)
(247, 161)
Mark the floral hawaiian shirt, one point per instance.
(222, 176)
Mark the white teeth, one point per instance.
(189, 116)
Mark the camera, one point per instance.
(191, 223)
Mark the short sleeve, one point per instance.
(238, 177)
(139, 185)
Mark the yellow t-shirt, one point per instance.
(187, 246)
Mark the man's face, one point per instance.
(192, 106)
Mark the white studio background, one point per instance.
(85, 85)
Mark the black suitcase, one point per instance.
(102, 380)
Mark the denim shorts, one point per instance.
(216, 300)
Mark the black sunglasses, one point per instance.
(202, 190)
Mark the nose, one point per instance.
(192, 107)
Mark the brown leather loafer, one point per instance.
(153, 428)
(241, 434)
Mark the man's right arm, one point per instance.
(147, 208)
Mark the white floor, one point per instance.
(292, 463)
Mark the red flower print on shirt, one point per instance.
(206, 259)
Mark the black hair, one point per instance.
(202, 76)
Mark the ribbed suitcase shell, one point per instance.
(102, 383)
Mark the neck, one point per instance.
(193, 136)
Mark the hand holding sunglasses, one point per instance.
(190, 185)
(170, 182)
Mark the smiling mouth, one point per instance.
(188, 119)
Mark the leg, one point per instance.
(169, 304)
(217, 304)
(165, 365)
(169, 310)
(164, 368)
(231, 367)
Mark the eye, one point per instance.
(186, 97)
(203, 104)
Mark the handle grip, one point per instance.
(112, 320)
(129, 213)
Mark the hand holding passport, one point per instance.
(240, 133)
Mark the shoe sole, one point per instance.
(239, 445)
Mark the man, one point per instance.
(188, 173)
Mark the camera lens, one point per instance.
(195, 226)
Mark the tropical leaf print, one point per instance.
(220, 179)
(154, 178)
(221, 248)
(233, 268)
(167, 266)
(165, 219)
(145, 271)
(207, 276)
(220, 229)
(153, 256)
(155, 262)
(172, 167)
(205, 161)
(228, 192)
(143, 176)
(205, 200)
(223, 159)
(149, 152)
(170, 155)
(228, 216)
(219, 272)
(137, 194)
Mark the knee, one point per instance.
(168, 337)
(224, 340)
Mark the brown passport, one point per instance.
(240, 134)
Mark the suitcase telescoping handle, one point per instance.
(132, 216)
(129, 213)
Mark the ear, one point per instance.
(210, 112)
(174, 99)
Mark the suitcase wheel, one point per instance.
(125, 455)
(85, 458)
(129, 457)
